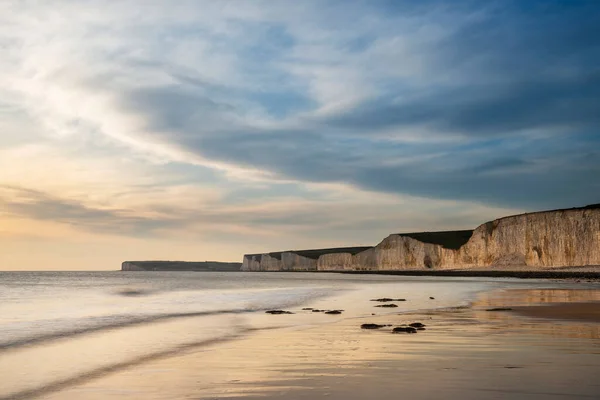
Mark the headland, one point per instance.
(553, 240)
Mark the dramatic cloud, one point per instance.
(230, 217)
(489, 103)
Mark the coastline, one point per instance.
(570, 273)
(539, 240)
(585, 312)
(465, 352)
(592, 273)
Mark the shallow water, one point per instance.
(61, 329)
(38, 306)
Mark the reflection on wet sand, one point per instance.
(562, 313)
(465, 353)
(524, 297)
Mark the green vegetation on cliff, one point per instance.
(447, 239)
(312, 254)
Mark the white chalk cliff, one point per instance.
(540, 240)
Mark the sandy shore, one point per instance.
(464, 353)
(587, 273)
(570, 311)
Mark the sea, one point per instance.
(57, 328)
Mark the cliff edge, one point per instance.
(539, 240)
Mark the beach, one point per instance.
(483, 339)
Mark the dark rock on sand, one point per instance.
(133, 292)
(499, 309)
(404, 329)
(278, 312)
(333, 312)
(431, 298)
(387, 299)
(317, 310)
(417, 325)
(372, 326)
(420, 329)
(388, 305)
(307, 309)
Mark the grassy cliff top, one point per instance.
(588, 207)
(313, 254)
(447, 239)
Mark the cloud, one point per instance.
(436, 100)
(158, 216)
(272, 217)
(37, 205)
(505, 109)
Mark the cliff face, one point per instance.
(295, 260)
(548, 239)
(287, 261)
(545, 239)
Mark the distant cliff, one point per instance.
(180, 266)
(295, 260)
(540, 240)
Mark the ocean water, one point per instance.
(57, 328)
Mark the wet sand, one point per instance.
(569, 311)
(464, 353)
(587, 273)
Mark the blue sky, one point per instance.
(206, 129)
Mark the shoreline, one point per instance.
(465, 353)
(580, 311)
(523, 274)
(476, 341)
(547, 274)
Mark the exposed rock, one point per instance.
(307, 309)
(318, 310)
(372, 326)
(386, 299)
(297, 260)
(431, 298)
(278, 312)
(404, 329)
(499, 309)
(335, 262)
(387, 305)
(133, 292)
(417, 325)
(333, 312)
(540, 240)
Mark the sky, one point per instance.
(203, 130)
